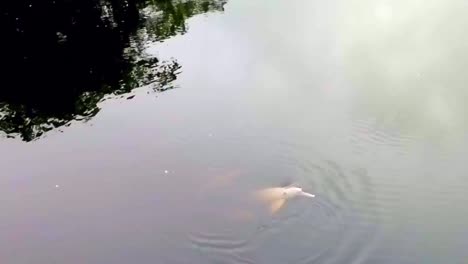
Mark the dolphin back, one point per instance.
(270, 194)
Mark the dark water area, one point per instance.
(137, 131)
(60, 58)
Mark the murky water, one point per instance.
(136, 134)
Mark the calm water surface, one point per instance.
(362, 103)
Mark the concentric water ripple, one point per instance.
(305, 231)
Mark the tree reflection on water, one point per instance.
(62, 57)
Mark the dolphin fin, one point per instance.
(276, 205)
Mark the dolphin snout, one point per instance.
(307, 194)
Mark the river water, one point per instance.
(361, 103)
